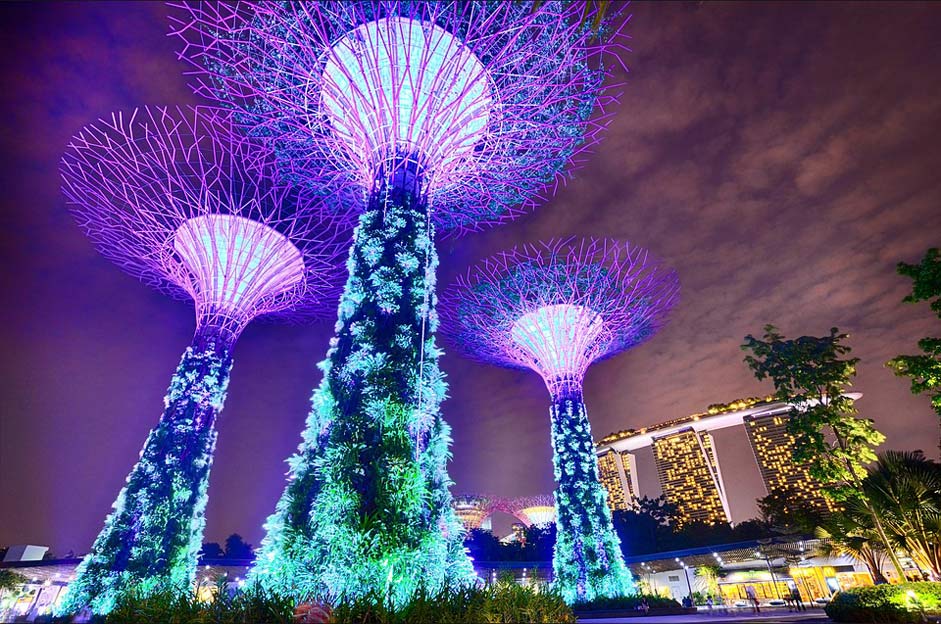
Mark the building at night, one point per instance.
(688, 466)
(774, 451)
(618, 474)
(690, 477)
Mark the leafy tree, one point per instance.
(924, 370)
(813, 375)
(787, 512)
(483, 545)
(540, 542)
(236, 548)
(211, 550)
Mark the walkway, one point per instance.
(767, 616)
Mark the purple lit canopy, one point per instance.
(557, 307)
(489, 101)
(176, 197)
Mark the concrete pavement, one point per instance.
(767, 616)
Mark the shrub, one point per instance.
(626, 603)
(503, 602)
(250, 606)
(10, 579)
(885, 603)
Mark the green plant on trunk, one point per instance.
(813, 374)
(925, 369)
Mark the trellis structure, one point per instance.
(555, 308)
(434, 116)
(178, 198)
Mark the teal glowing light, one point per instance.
(415, 89)
(180, 198)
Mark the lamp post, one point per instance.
(774, 583)
(689, 586)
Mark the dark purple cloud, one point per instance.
(782, 157)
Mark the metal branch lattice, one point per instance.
(178, 198)
(473, 509)
(535, 510)
(556, 307)
(491, 99)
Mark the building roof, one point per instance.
(716, 416)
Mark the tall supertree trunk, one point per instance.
(367, 506)
(152, 538)
(587, 561)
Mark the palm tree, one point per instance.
(851, 533)
(905, 488)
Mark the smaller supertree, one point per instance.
(472, 509)
(179, 199)
(535, 510)
(556, 308)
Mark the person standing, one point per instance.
(752, 597)
(796, 597)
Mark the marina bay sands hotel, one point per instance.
(687, 466)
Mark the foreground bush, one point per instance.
(886, 603)
(182, 607)
(626, 603)
(503, 602)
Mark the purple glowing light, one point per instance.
(557, 307)
(492, 101)
(398, 86)
(178, 198)
(559, 339)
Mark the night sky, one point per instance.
(781, 157)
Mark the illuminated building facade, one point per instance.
(689, 475)
(687, 466)
(774, 451)
(617, 472)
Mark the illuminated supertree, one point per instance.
(535, 510)
(473, 509)
(555, 308)
(177, 198)
(443, 115)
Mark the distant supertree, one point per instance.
(555, 308)
(472, 509)
(443, 115)
(535, 510)
(177, 198)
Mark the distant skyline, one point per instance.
(782, 157)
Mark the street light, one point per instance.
(774, 582)
(686, 571)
